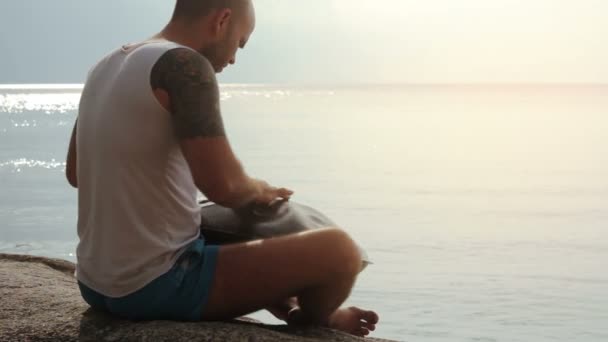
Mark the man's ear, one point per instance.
(221, 20)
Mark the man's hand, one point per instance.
(269, 194)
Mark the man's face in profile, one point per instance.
(234, 35)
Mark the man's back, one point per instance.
(137, 199)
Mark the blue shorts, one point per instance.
(180, 294)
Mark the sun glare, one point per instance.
(477, 40)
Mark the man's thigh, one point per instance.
(251, 276)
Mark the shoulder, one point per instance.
(187, 79)
(179, 65)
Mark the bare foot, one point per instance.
(351, 320)
(354, 321)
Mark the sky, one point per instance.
(331, 41)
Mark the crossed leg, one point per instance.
(318, 267)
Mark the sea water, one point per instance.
(484, 208)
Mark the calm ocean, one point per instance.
(485, 209)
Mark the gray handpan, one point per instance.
(221, 225)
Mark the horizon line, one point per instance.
(79, 86)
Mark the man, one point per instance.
(149, 134)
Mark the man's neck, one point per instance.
(181, 34)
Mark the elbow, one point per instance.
(73, 183)
(72, 179)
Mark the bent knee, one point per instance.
(342, 251)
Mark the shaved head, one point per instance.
(194, 9)
(214, 28)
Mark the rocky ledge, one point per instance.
(40, 301)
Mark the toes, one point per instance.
(366, 315)
(361, 332)
(368, 326)
(371, 317)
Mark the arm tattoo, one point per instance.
(190, 81)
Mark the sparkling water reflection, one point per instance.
(483, 209)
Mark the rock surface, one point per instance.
(40, 301)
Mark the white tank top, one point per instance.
(137, 201)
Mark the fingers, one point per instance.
(284, 193)
(272, 195)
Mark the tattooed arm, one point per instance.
(189, 82)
